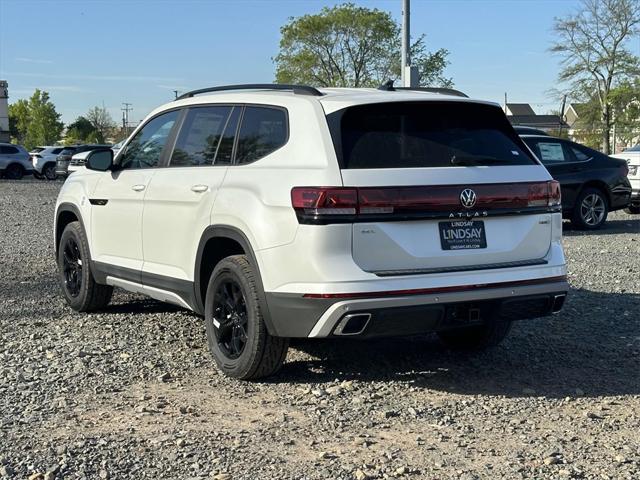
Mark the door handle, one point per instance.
(199, 188)
(138, 188)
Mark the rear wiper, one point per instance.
(472, 160)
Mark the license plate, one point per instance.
(462, 235)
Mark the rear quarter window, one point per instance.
(263, 130)
(425, 134)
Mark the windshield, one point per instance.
(633, 149)
(426, 134)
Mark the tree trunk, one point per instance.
(606, 129)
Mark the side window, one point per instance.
(200, 136)
(580, 155)
(225, 150)
(263, 131)
(7, 150)
(145, 148)
(552, 152)
(56, 151)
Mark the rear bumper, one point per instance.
(297, 316)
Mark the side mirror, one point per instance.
(100, 160)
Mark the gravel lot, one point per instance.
(131, 392)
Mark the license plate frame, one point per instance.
(462, 235)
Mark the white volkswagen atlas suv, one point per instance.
(280, 211)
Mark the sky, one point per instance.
(99, 52)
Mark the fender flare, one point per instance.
(233, 233)
(66, 207)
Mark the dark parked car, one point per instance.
(521, 130)
(64, 158)
(592, 183)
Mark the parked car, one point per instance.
(286, 211)
(43, 160)
(77, 161)
(14, 161)
(632, 157)
(64, 159)
(593, 184)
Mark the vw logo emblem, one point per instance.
(468, 198)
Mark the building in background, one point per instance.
(4, 111)
(522, 114)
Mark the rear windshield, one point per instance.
(425, 134)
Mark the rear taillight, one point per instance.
(625, 170)
(325, 201)
(555, 197)
(319, 205)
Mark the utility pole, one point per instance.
(409, 73)
(126, 108)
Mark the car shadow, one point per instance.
(591, 348)
(627, 224)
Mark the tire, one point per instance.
(79, 288)
(237, 335)
(14, 172)
(49, 171)
(476, 338)
(632, 210)
(591, 209)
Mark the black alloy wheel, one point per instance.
(592, 209)
(72, 267)
(230, 319)
(49, 171)
(14, 172)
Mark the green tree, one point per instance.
(81, 130)
(101, 121)
(19, 120)
(595, 57)
(625, 101)
(35, 121)
(351, 46)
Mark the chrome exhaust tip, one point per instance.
(352, 324)
(558, 302)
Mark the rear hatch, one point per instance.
(441, 186)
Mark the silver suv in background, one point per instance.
(14, 161)
(65, 158)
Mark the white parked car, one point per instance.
(279, 211)
(44, 161)
(632, 156)
(77, 162)
(14, 161)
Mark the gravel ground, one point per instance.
(132, 392)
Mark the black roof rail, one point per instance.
(388, 87)
(440, 90)
(299, 89)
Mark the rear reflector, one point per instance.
(327, 204)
